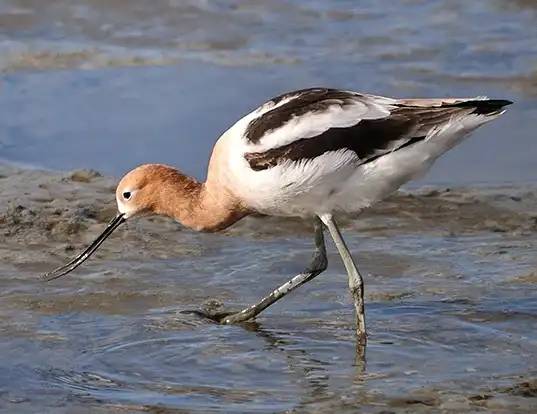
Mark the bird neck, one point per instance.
(200, 206)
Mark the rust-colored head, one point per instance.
(144, 190)
(163, 190)
(138, 191)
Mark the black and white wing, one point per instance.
(305, 124)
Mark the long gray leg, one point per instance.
(356, 282)
(318, 265)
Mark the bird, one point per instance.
(311, 153)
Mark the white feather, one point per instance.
(314, 123)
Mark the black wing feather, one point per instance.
(369, 138)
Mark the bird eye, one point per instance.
(126, 195)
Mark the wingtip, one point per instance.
(502, 102)
(485, 106)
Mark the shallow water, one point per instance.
(450, 275)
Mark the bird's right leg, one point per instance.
(356, 282)
(318, 265)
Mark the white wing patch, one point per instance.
(270, 105)
(313, 124)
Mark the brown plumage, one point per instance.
(164, 190)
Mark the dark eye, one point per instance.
(126, 195)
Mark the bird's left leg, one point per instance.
(318, 265)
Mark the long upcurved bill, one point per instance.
(82, 257)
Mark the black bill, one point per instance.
(82, 257)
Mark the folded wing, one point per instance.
(303, 125)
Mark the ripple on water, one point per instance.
(202, 368)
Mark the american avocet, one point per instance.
(309, 153)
